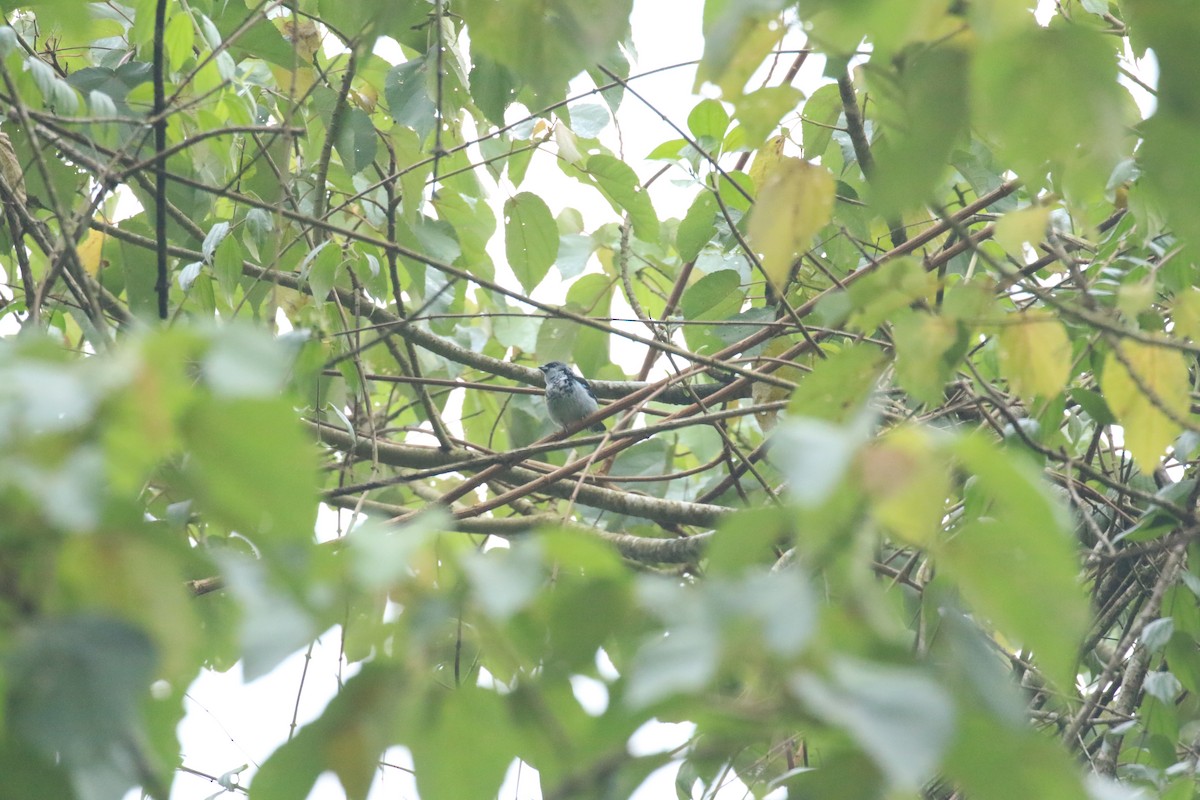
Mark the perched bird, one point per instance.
(569, 398)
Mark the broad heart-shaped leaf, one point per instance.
(356, 142)
(908, 481)
(708, 120)
(75, 686)
(794, 202)
(928, 350)
(759, 111)
(900, 716)
(737, 37)
(1145, 401)
(619, 183)
(530, 238)
(837, 386)
(923, 107)
(1014, 560)
(1035, 354)
(545, 43)
(407, 91)
(819, 118)
(1050, 93)
(714, 297)
(349, 738)
(470, 720)
(1024, 225)
(252, 468)
(995, 759)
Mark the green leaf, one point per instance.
(816, 455)
(357, 141)
(928, 352)
(684, 661)
(1175, 182)
(505, 580)
(245, 362)
(407, 91)
(1163, 686)
(819, 116)
(227, 267)
(697, 227)
(493, 87)
(1023, 532)
(1051, 93)
(75, 688)
(986, 748)
(878, 296)
(273, 624)
(837, 386)
(349, 738)
(589, 119)
(620, 185)
(216, 234)
(749, 539)
(320, 268)
(530, 238)
(714, 297)
(178, 38)
(900, 716)
(760, 111)
(546, 44)
(468, 718)
(1157, 633)
(925, 106)
(708, 120)
(252, 467)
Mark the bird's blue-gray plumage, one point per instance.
(569, 398)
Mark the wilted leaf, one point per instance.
(793, 204)
(1035, 354)
(908, 481)
(1020, 227)
(1145, 386)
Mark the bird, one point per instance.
(569, 398)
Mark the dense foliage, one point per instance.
(901, 501)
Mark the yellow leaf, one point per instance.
(89, 251)
(1035, 355)
(766, 160)
(1141, 401)
(908, 484)
(295, 82)
(1016, 228)
(303, 33)
(568, 145)
(767, 393)
(1134, 298)
(365, 98)
(793, 204)
(1185, 314)
(730, 60)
